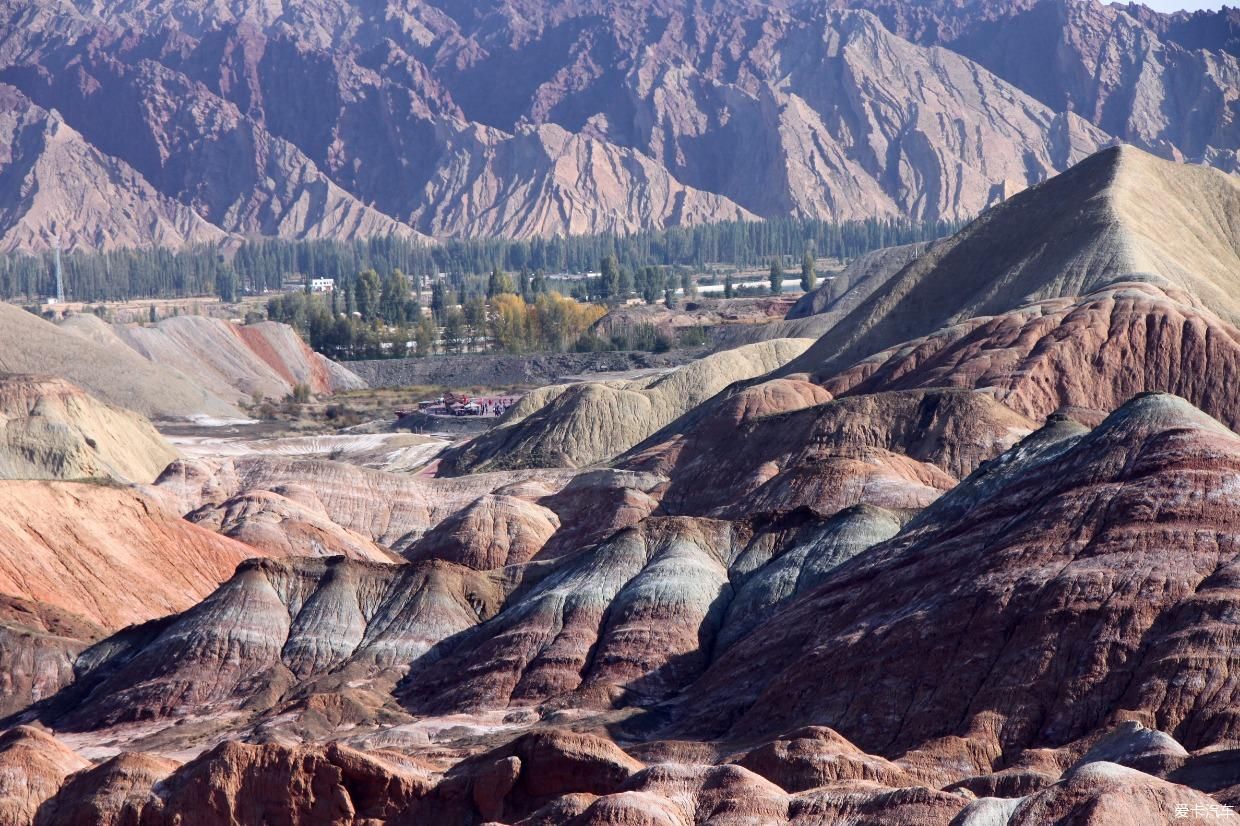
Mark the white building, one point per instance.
(322, 285)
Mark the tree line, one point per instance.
(263, 265)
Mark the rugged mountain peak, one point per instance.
(54, 183)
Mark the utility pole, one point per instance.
(60, 275)
(53, 238)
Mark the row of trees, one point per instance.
(262, 265)
(809, 277)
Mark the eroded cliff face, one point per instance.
(350, 120)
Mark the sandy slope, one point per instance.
(50, 429)
(117, 375)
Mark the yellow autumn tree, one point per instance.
(510, 327)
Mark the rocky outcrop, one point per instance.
(33, 765)
(239, 783)
(813, 757)
(287, 522)
(1107, 793)
(494, 531)
(50, 429)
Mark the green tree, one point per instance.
(153, 314)
(525, 287)
(687, 287)
(498, 283)
(652, 284)
(777, 277)
(625, 287)
(439, 300)
(609, 278)
(393, 298)
(809, 279)
(728, 290)
(454, 330)
(424, 335)
(226, 285)
(475, 310)
(368, 291)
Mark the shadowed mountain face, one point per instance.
(346, 120)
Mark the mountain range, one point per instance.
(172, 123)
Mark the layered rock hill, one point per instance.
(1062, 533)
(284, 630)
(231, 363)
(50, 429)
(577, 425)
(1090, 354)
(110, 371)
(249, 119)
(1070, 581)
(1119, 213)
(106, 554)
(391, 509)
(786, 443)
(236, 362)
